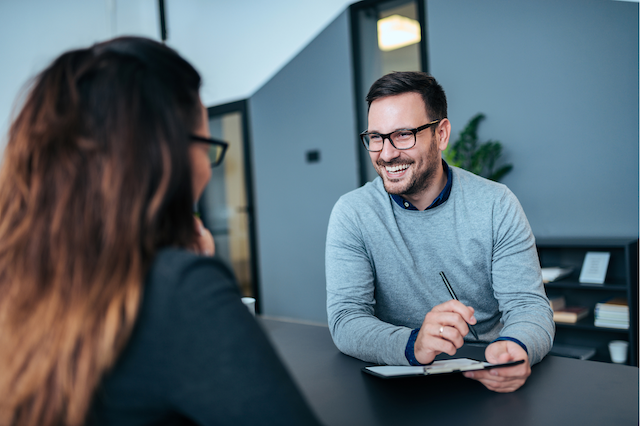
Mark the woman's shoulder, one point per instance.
(189, 306)
(180, 280)
(175, 265)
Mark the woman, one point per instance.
(107, 316)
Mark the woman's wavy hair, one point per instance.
(95, 179)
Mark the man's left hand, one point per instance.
(504, 379)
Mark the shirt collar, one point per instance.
(440, 199)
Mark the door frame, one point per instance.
(242, 107)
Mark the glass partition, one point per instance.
(387, 36)
(225, 206)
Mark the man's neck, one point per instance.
(425, 198)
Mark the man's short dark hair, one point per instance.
(397, 83)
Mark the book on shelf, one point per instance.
(570, 314)
(557, 302)
(614, 316)
(571, 351)
(555, 273)
(612, 313)
(617, 304)
(622, 325)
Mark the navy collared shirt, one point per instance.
(440, 199)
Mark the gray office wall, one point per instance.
(558, 82)
(307, 106)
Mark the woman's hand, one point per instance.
(204, 244)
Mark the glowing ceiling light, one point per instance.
(397, 31)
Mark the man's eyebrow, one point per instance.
(393, 131)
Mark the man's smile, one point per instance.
(397, 168)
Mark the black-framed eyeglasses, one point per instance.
(217, 148)
(400, 139)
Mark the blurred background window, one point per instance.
(387, 36)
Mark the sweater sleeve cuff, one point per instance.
(510, 339)
(409, 352)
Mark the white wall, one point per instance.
(239, 45)
(236, 45)
(34, 32)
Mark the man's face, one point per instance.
(405, 172)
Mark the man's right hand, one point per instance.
(443, 330)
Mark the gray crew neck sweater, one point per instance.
(383, 264)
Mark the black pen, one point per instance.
(446, 282)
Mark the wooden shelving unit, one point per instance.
(621, 281)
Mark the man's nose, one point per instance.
(388, 150)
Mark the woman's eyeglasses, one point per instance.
(217, 148)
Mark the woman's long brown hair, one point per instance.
(95, 178)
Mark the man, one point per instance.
(389, 240)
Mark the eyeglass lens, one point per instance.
(215, 154)
(402, 139)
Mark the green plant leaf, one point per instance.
(479, 158)
(498, 174)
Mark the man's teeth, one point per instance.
(396, 169)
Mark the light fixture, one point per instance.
(397, 31)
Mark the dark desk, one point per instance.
(560, 391)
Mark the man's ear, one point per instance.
(443, 132)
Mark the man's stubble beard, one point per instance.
(417, 184)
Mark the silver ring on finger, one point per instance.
(441, 330)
